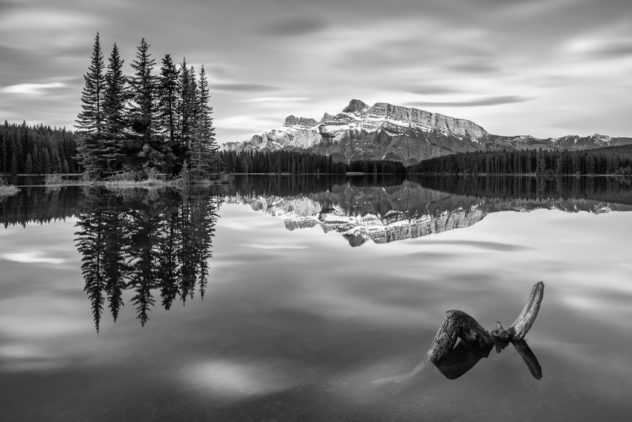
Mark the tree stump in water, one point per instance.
(459, 325)
(461, 342)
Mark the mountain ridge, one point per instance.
(385, 131)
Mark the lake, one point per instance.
(312, 299)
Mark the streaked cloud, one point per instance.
(293, 26)
(251, 122)
(487, 101)
(242, 87)
(31, 88)
(32, 257)
(275, 100)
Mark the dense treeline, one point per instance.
(300, 162)
(376, 166)
(608, 189)
(278, 162)
(145, 122)
(587, 162)
(36, 150)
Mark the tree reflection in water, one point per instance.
(146, 243)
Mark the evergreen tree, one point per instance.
(168, 94)
(204, 148)
(115, 96)
(187, 104)
(110, 149)
(143, 94)
(90, 120)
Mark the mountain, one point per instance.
(390, 132)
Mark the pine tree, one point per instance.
(143, 93)
(204, 148)
(90, 120)
(110, 148)
(168, 94)
(115, 96)
(187, 104)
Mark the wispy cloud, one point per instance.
(242, 87)
(293, 26)
(246, 122)
(486, 101)
(31, 88)
(275, 100)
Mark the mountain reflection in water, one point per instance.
(142, 247)
(409, 209)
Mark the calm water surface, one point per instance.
(284, 299)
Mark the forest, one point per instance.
(300, 162)
(615, 160)
(37, 150)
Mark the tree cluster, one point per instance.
(585, 162)
(36, 150)
(145, 120)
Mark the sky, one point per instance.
(539, 67)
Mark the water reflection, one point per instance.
(392, 210)
(149, 247)
(465, 356)
(147, 244)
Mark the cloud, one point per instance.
(31, 89)
(430, 89)
(474, 66)
(242, 87)
(275, 100)
(487, 101)
(245, 122)
(612, 50)
(293, 26)
(33, 257)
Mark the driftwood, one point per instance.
(461, 341)
(458, 325)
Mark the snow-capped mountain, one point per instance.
(386, 131)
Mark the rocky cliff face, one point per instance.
(389, 132)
